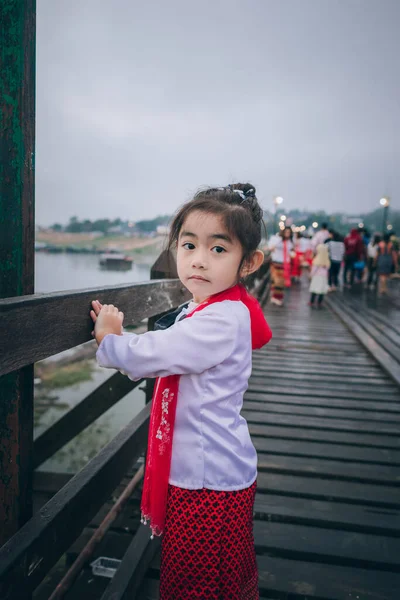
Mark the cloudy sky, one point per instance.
(141, 103)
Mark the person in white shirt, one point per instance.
(201, 465)
(320, 237)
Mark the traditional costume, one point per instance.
(201, 465)
(280, 267)
(297, 260)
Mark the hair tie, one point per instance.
(251, 193)
(241, 194)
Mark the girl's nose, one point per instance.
(199, 260)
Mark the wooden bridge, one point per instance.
(324, 415)
(322, 406)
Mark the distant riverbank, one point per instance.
(53, 241)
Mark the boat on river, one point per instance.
(116, 261)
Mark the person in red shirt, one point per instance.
(354, 251)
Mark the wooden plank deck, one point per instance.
(325, 420)
(375, 321)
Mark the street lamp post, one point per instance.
(385, 202)
(277, 201)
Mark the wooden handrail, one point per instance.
(35, 327)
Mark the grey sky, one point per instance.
(141, 103)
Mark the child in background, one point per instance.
(201, 465)
(319, 275)
(281, 248)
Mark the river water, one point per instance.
(60, 272)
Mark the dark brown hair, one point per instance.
(240, 211)
(282, 233)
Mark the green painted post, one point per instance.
(17, 140)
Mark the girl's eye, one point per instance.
(188, 246)
(218, 249)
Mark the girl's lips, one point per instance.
(198, 278)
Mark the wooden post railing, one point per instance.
(17, 146)
(30, 330)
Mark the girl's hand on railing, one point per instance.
(107, 319)
(97, 306)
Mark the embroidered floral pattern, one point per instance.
(164, 429)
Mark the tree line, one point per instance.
(338, 221)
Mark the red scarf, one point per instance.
(286, 265)
(162, 418)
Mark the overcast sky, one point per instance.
(140, 103)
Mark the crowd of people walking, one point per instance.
(331, 260)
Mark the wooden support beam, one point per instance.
(17, 145)
(132, 570)
(81, 416)
(52, 530)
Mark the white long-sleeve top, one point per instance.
(212, 352)
(276, 245)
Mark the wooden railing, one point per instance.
(35, 327)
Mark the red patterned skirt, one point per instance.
(208, 546)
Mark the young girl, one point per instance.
(319, 275)
(201, 465)
(281, 247)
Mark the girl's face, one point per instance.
(286, 234)
(208, 258)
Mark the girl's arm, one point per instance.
(190, 346)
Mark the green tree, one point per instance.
(74, 226)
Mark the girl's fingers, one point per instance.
(96, 306)
(121, 315)
(93, 315)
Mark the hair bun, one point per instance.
(247, 189)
